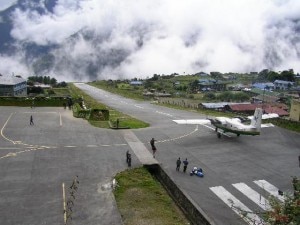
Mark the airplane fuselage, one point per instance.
(228, 127)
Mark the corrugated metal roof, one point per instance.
(244, 107)
(11, 80)
(279, 111)
(267, 108)
(217, 105)
(214, 105)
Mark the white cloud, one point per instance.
(13, 65)
(168, 36)
(4, 4)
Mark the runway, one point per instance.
(271, 157)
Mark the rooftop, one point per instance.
(11, 80)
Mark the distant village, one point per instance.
(271, 96)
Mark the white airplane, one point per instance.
(234, 125)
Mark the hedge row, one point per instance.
(36, 101)
(285, 123)
(90, 114)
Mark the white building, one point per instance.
(13, 86)
(283, 85)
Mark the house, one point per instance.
(13, 86)
(136, 83)
(211, 84)
(264, 86)
(283, 85)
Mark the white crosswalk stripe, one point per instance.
(237, 206)
(253, 195)
(269, 188)
(240, 208)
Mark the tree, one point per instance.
(155, 77)
(62, 84)
(209, 96)
(240, 97)
(287, 75)
(281, 213)
(53, 81)
(226, 96)
(262, 75)
(272, 76)
(287, 212)
(194, 86)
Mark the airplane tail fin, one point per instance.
(256, 120)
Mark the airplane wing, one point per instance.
(266, 116)
(264, 125)
(194, 122)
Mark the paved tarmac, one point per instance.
(36, 161)
(235, 167)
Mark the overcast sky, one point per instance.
(166, 36)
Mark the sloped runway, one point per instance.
(238, 166)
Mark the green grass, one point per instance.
(142, 200)
(206, 112)
(61, 91)
(122, 89)
(125, 120)
(286, 124)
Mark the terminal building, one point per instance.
(13, 86)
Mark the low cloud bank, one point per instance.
(97, 39)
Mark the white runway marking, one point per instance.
(269, 188)
(163, 113)
(120, 144)
(2, 129)
(237, 206)
(139, 106)
(253, 195)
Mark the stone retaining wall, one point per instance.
(194, 213)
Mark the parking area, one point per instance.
(39, 162)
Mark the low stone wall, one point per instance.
(195, 214)
(194, 104)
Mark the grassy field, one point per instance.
(143, 201)
(120, 89)
(61, 91)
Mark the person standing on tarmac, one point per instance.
(152, 141)
(31, 120)
(185, 164)
(178, 163)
